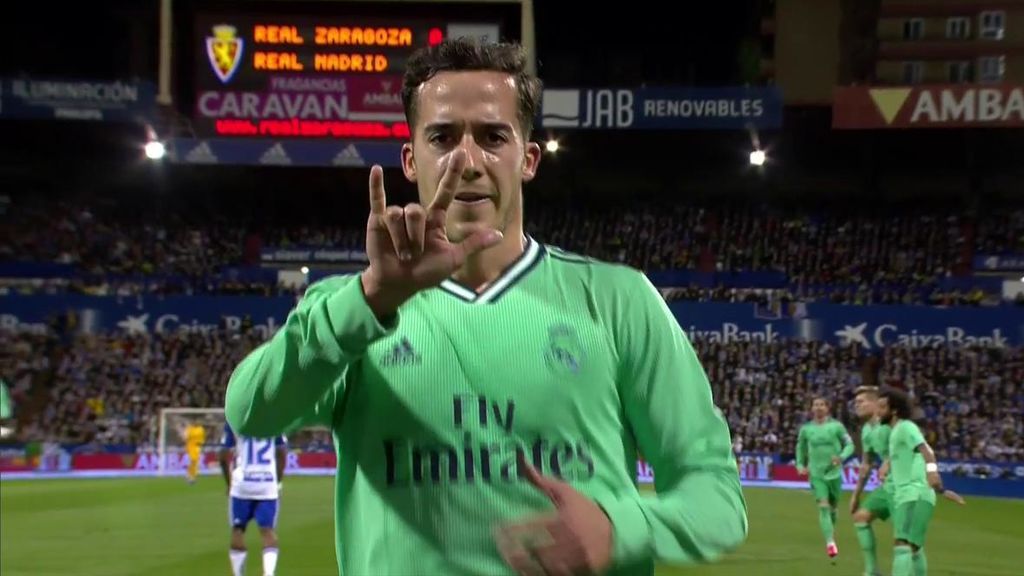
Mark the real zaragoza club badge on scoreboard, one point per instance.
(224, 49)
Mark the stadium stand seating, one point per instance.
(823, 257)
(95, 389)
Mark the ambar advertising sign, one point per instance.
(937, 106)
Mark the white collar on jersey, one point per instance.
(532, 251)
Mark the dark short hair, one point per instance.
(822, 398)
(899, 402)
(468, 54)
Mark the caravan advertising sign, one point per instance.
(936, 106)
(667, 108)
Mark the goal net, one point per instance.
(313, 444)
(172, 458)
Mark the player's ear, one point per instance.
(408, 162)
(531, 160)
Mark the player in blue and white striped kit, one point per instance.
(253, 477)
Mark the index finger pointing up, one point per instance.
(449, 180)
(378, 199)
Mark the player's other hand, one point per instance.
(836, 460)
(934, 480)
(408, 248)
(801, 471)
(950, 495)
(883, 471)
(575, 539)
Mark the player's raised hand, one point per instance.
(408, 247)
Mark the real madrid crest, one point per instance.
(564, 351)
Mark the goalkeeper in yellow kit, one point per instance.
(194, 436)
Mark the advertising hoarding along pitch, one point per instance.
(67, 99)
(662, 108)
(871, 327)
(933, 106)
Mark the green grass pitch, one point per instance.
(163, 527)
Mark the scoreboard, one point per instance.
(305, 77)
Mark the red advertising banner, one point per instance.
(178, 462)
(755, 468)
(931, 106)
(788, 473)
(16, 464)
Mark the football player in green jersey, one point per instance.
(874, 436)
(6, 411)
(914, 473)
(488, 394)
(822, 446)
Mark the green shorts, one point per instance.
(827, 489)
(879, 503)
(910, 521)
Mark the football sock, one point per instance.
(269, 561)
(825, 521)
(866, 538)
(238, 562)
(920, 563)
(902, 561)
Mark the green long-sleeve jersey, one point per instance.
(874, 437)
(909, 476)
(5, 402)
(576, 364)
(819, 443)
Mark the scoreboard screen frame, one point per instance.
(315, 74)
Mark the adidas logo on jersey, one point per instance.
(401, 354)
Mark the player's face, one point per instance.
(884, 412)
(865, 406)
(476, 111)
(819, 408)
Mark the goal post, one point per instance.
(169, 439)
(170, 447)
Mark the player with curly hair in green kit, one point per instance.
(915, 480)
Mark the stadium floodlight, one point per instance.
(757, 158)
(155, 150)
(551, 146)
(304, 269)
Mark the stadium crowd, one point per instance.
(109, 389)
(825, 257)
(970, 400)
